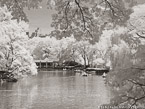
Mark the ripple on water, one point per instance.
(55, 90)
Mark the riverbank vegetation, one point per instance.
(15, 59)
(109, 32)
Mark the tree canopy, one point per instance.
(85, 19)
(15, 58)
(17, 7)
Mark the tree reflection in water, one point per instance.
(54, 90)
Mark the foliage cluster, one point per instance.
(14, 57)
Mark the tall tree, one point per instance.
(127, 78)
(16, 58)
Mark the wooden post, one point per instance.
(52, 65)
(46, 64)
(40, 64)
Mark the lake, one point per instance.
(55, 90)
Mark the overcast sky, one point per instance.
(42, 18)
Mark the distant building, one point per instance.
(47, 63)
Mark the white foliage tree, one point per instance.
(16, 57)
(127, 78)
(136, 23)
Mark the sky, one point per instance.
(41, 18)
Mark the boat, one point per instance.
(104, 75)
(84, 73)
(64, 69)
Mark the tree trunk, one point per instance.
(84, 61)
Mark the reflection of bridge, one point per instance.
(98, 71)
(47, 64)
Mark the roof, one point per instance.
(44, 61)
(47, 60)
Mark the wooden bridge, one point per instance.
(47, 64)
(98, 71)
(56, 64)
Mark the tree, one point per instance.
(84, 50)
(51, 48)
(16, 59)
(40, 47)
(103, 47)
(86, 19)
(17, 7)
(137, 21)
(67, 49)
(82, 18)
(127, 77)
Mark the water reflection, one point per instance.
(54, 90)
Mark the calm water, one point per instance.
(54, 90)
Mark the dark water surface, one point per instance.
(54, 90)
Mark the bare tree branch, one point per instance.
(66, 11)
(136, 100)
(135, 82)
(139, 68)
(110, 6)
(141, 36)
(82, 14)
